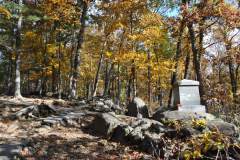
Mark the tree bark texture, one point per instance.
(17, 93)
(107, 77)
(9, 83)
(119, 85)
(79, 50)
(129, 92)
(197, 64)
(149, 82)
(187, 66)
(71, 61)
(107, 83)
(175, 74)
(97, 76)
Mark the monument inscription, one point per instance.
(189, 95)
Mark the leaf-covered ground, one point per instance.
(73, 141)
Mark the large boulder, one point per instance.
(121, 132)
(224, 127)
(137, 108)
(11, 150)
(136, 135)
(159, 127)
(106, 123)
(181, 116)
(151, 142)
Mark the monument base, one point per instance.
(200, 108)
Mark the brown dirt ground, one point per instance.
(74, 141)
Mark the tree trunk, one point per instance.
(107, 83)
(197, 64)
(17, 93)
(54, 86)
(10, 64)
(71, 61)
(89, 81)
(59, 69)
(119, 85)
(149, 82)
(233, 80)
(43, 85)
(175, 74)
(160, 95)
(97, 75)
(129, 89)
(107, 77)
(38, 85)
(187, 65)
(134, 82)
(9, 83)
(79, 50)
(237, 75)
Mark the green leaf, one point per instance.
(239, 138)
(220, 146)
(116, 115)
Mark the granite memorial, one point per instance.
(186, 96)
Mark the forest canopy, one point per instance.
(121, 49)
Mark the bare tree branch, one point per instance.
(213, 44)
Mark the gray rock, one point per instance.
(224, 127)
(118, 110)
(109, 103)
(163, 109)
(100, 98)
(7, 158)
(99, 103)
(8, 150)
(159, 127)
(65, 116)
(136, 135)
(100, 108)
(121, 132)
(151, 142)
(169, 116)
(80, 103)
(143, 123)
(188, 131)
(137, 108)
(106, 123)
(147, 157)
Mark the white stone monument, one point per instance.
(186, 96)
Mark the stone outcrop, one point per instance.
(106, 123)
(148, 133)
(170, 116)
(137, 108)
(224, 127)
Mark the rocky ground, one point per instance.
(32, 140)
(47, 128)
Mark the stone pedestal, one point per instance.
(186, 93)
